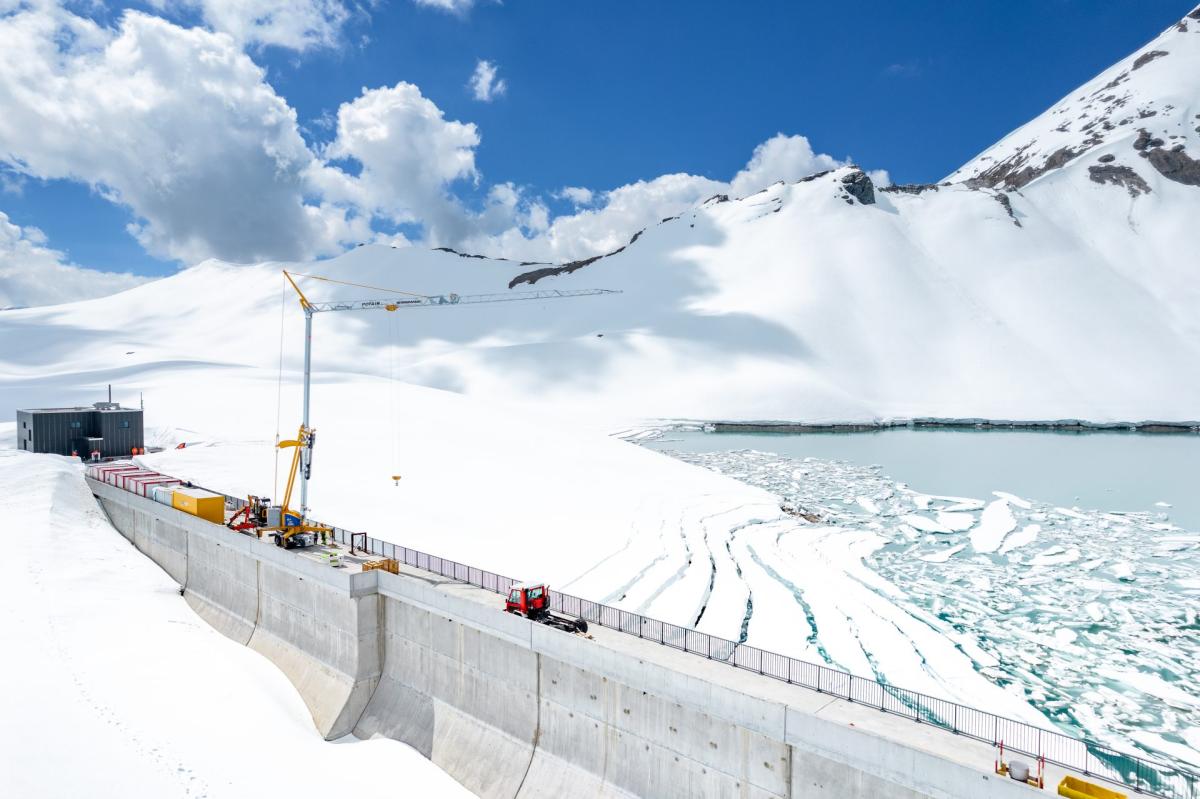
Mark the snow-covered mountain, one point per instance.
(1028, 285)
(1050, 277)
(1143, 111)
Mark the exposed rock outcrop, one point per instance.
(1013, 174)
(1175, 164)
(1146, 58)
(860, 187)
(1006, 203)
(1119, 175)
(911, 188)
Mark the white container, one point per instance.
(163, 493)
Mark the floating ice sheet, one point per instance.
(1090, 616)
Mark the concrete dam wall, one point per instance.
(510, 708)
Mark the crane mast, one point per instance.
(393, 301)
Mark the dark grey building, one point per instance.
(105, 427)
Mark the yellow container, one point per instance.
(199, 502)
(1076, 788)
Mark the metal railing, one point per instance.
(1142, 775)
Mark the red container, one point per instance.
(98, 471)
(111, 475)
(139, 485)
(123, 478)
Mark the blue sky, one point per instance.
(604, 95)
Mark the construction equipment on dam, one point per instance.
(292, 525)
(532, 600)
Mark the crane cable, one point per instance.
(360, 285)
(279, 389)
(394, 411)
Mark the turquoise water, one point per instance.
(1097, 471)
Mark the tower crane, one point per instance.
(291, 527)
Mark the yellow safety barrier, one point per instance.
(1075, 788)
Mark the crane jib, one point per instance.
(437, 300)
(302, 457)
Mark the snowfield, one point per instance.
(121, 690)
(1070, 296)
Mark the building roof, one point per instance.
(80, 409)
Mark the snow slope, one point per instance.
(115, 688)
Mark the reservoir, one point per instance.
(1106, 471)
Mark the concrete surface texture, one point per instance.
(515, 709)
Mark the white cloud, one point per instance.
(33, 274)
(578, 195)
(295, 24)
(182, 127)
(614, 216)
(177, 124)
(452, 6)
(625, 211)
(484, 85)
(409, 152)
(786, 158)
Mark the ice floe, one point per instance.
(911, 587)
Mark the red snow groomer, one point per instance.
(532, 600)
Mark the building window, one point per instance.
(124, 423)
(76, 425)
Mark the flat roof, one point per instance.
(83, 409)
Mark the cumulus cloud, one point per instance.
(484, 84)
(295, 24)
(625, 210)
(577, 195)
(786, 158)
(604, 221)
(182, 127)
(33, 274)
(452, 6)
(179, 125)
(408, 152)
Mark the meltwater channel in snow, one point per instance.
(1068, 565)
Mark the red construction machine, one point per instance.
(532, 600)
(251, 517)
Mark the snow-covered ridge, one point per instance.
(805, 301)
(1141, 111)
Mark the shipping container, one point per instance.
(98, 471)
(112, 477)
(138, 484)
(124, 478)
(146, 486)
(134, 481)
(106, 469)
(164, 494)
(199, 502)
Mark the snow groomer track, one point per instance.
(641, 708)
